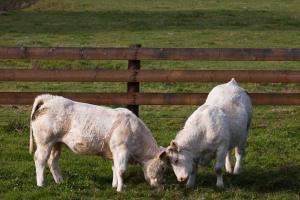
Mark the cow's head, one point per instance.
(154, 169)
(181, 161)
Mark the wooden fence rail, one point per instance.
(135, 52)
(242, 76)
(25, 98)
(134, 75)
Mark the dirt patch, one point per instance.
(7, 5)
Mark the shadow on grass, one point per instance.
(278, 179)
(284, 178)
(134, 175)
(102, 182)
(67, 22)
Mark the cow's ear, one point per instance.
(174, 145)
(162, 155)
(169, 150)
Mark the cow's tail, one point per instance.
(38, 102)
(31, 146)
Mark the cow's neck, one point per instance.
(188, 141)
(146, 151)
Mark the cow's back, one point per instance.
(236, 103)
(204, 130)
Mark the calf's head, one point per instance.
(154, 169)
(181, 161)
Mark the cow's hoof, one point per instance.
(237, 171)
(59, 180)
(220, 186)
(190, 185)
(114, 185)
(229, 170)
(40, 184)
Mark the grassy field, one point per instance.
(272, 163)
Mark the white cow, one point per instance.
(219, 125)
(116, 134)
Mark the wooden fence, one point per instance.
(134, 75)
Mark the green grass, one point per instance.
(272, 163)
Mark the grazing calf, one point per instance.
(219, 125)
(87, 129)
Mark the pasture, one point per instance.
(272, 162)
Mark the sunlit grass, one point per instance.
(272, 163)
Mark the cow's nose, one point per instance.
(182, 179)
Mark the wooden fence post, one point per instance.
(134, 87)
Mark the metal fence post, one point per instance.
(134, 87)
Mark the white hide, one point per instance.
(220, 124)
(87, 129)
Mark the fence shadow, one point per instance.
(63, 22)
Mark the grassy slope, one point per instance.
(272, 165)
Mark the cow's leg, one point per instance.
(220, 161)
(120, 164)
(53, 163)
(228, 163)
(239, 154)
(40, 158)
(192, 178)
(115, 180)
(240, 151)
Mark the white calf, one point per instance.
(116, 134)
(216, 127)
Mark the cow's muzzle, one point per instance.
(182, 179)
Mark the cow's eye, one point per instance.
(176, 161)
